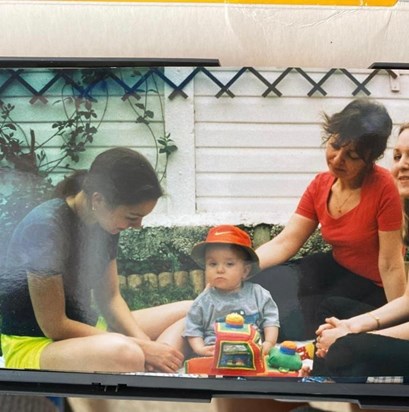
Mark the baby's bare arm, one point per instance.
(199, 347)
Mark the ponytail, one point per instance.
(121, 175)
(71, 185)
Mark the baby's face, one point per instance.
(225, 268)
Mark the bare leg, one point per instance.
(112, 352)
(173, 336)
(154, 321)
(108, 352)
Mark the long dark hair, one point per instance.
(121, 175)
(364, 123)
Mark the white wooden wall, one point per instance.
(115, 120)
(254, 156)
(245, 159)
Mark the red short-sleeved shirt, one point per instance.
(354, 236)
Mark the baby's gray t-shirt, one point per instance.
(252, 301)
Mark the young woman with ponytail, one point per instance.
(61, 267)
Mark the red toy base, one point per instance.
(204, 366)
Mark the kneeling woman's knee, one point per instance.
(344, 354)
(127, 353)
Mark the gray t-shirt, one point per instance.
(51, 240)
(252, 301)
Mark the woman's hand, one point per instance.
(328, 333)
(161, 357)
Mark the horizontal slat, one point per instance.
(114, 109)
(257, 135)
(264, 110)
(260, 160)
(283, 109)
(251, 185)
(267, 207)
(92, 152)
(244, 135)
(108, 134)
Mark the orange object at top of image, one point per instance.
(355, 3)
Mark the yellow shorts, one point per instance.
(23, 352)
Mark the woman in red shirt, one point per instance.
(358, 209)
(385, 350)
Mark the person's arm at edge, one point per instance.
(287, 243)
(378, 320)
(391, 264)
(400, 331)
(386, 320)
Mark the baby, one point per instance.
(229, 259)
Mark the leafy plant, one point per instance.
(148, 296)
(168, 146)
(158, 249)
(314, 244)
(14, 152)
(78, 130)
(139, 104)
(24, 168)
(20, 151)
(163, 249)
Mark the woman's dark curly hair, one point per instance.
(364, 123)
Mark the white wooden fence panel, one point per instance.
(116, 110)
(251, 160)
(266, 135)
(263, 110)
(246, 210)
(242, 159)
(92, 152)
(273, 185)
(111, 134)
(255, 155)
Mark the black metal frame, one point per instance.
(183, 388)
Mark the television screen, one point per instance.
(271, 197)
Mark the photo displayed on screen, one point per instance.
(205, 222)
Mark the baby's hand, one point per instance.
(266, 347)
(206, 350)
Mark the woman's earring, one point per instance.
(93, 208)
